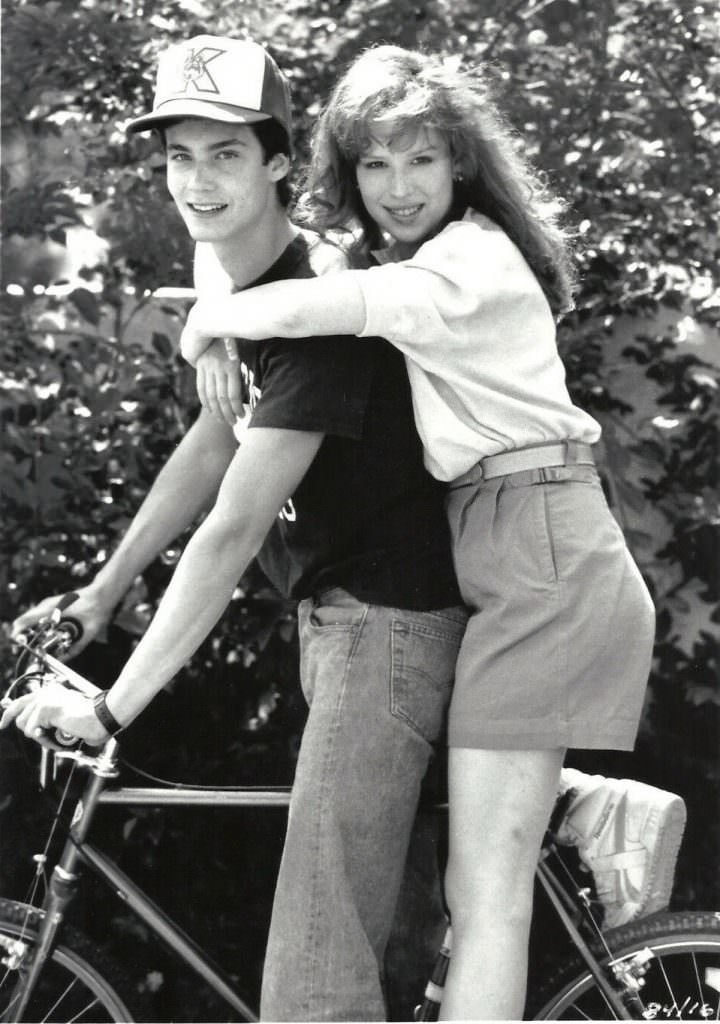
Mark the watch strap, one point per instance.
(105, 716)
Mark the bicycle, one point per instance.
(663, 966)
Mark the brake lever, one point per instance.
(47, 767)
(79, 682)
(59, 738)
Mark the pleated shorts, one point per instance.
(558, 646)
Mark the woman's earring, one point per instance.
(458, 176)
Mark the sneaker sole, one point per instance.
(661, 870)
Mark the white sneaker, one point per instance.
(628, 834)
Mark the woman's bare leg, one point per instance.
(500, 806)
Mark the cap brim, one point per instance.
(173, 109)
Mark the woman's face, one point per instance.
(406, 183)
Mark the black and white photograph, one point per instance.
(360, 510)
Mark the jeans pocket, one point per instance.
(329, 628)
(423, 669)
(336, 609)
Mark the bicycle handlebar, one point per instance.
(70, 626)
(51, 636)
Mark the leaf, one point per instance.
(105, 398)
(16, 490)
(637, 538)
(162, 344)
(174, 312)
(631, 495)
(86, 304)
(698, 695)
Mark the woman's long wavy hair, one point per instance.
(412, 90)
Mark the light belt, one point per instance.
(541, 456)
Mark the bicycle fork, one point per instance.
(63, 883)
(60, 892)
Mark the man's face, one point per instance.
(217, 177)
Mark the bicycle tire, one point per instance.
(682, 981)
(73, 984)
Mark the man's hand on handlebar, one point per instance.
(86, 607)
(54, 707)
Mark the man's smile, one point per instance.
(206, 207)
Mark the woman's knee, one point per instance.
(491, 886)
(500, 802)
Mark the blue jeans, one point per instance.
(378, 682)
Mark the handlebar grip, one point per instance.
(64, 739)
(72, 627)
(58, 737)
(67, 624)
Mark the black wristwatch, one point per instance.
(105, 716)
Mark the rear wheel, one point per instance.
(73, 985)
(676, 956)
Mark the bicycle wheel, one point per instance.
(70, 988)
(681, 980)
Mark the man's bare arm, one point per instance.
(263, 474)
(185, 487)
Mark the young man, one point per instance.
(327, 489)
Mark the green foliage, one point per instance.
(618, 102)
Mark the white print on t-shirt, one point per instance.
(287, 512)
(254, 394)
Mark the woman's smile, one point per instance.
(404, 212)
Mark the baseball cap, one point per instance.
(232, 80)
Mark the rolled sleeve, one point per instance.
(395, 306)
(466, 278)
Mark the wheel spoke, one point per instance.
(674, 1003)
(81, 1013)
(59, 1000)
(680, 981)
(580, 1014)
(69, 989)
(697, 977)
(12, 1002)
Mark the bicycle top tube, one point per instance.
(187, 796)
(191, 796)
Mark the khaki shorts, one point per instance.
(559, 643)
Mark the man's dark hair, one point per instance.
(272, 138)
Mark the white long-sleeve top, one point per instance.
(480, 345)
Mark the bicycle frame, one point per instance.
(561, 902)
(77, 849)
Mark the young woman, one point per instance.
(413, 152)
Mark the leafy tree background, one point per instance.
(618, 102)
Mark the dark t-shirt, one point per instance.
(367, 516)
